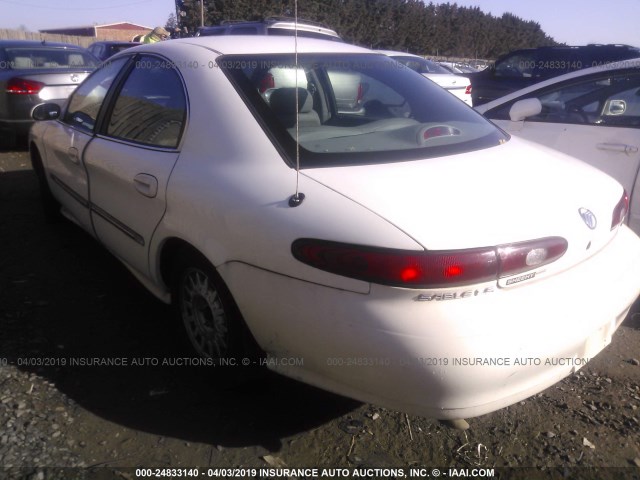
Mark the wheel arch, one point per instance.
(36, 159)
(174, 248)
(170, 251)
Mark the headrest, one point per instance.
(283, 100)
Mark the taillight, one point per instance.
(267, 83)
(468, 90)
(519, 257)
(22, 86)
(427, 269)
(620, 211)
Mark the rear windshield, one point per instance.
(41, 57)
(355, 109)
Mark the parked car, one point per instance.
(521, 68)
(455, 84)
(32, 73)
(271, 26)
(104, 50)
(411, 256)
(457, 68)
(592, 114)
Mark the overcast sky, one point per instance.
(574, 22)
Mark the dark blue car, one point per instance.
(521, 68)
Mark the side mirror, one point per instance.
(525, 108)
(615, 107)
(46, 111)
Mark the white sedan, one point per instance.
(413, 256)
(457, 85)
(592, 114)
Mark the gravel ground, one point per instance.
(62, 296)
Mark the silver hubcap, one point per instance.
(203, 315)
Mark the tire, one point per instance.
(206, 309)
(50, 206)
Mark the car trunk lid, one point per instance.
(498, 196)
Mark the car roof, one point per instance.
(393, 53)
(247, 44)
(36, 43)
(620, 65)
(286, 23)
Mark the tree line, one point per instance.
(413, 26)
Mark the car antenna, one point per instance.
(297, 198)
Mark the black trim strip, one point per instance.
(132, 234)
(118, 224)
(76, 196)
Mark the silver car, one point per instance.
(32, 73)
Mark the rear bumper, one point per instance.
(449, 358)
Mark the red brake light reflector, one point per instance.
(468, 90)
(22, 86)
(453, 271)
(409, 274)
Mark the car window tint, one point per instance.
(551, 63)
(85, 102)
(517, 65)
(151, 107)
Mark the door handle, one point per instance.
(73, 155)
(146, 184)
(618, 147)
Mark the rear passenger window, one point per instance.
(151, 106)
(519, 65)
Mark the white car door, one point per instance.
(130, 160)
(596, 119)
(66, 142)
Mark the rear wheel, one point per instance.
(205, 307)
